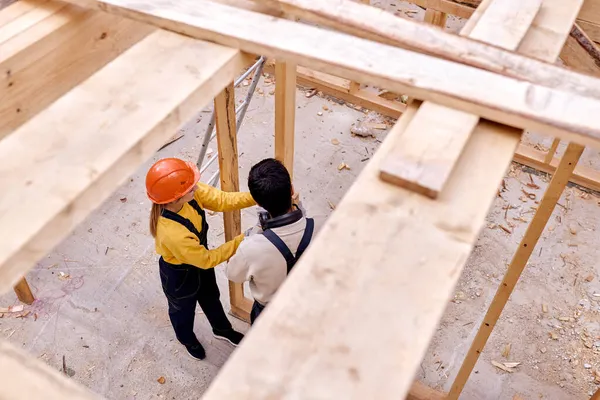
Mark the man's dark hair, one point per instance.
(271, 186)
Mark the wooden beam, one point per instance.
(230, 181)
(552, 151)
(285, 113)
(517, 265)
(320, 351)
(591, 29)
(340, 88)
(585, 176)
(436, 18)
(24, 377)
(49, 58)
(423, 163)
(23, 292)
(383, 27)
(419, 391)
(581, 53)
(116, 131)
(499, 98)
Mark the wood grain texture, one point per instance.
(585, 176)
(424, 162)
(51, 57)
(285, 113)
(24, 377)
(435, 18)
(23, 292)
(381, 26)
(549, 31)
(521, 257)
(499, 98)
(120, 115)
(319, 351)
(230, 180)
(504, 23)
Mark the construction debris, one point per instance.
(506, 366)
(12, 309)
(335, 141)
(161, 380)
(506, 351)
(343, 166)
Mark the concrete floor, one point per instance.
(109, 320)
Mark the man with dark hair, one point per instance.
(270, 250)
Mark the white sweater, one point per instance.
(257, 260)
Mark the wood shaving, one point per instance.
(343, 166)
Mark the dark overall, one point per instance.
(185, 284)
(272, 237)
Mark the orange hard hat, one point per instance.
(170, 179)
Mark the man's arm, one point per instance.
(237, 267)
(217, 200)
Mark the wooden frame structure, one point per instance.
(416, 209)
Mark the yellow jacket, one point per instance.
(177, 245)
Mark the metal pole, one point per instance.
(242, 108)
(210, 134)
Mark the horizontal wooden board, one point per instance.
(60, 165)
(50, 58)
(495, 97)
(24, 377)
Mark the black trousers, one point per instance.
(184, 285)
(257, 308)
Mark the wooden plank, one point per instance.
(340, 88)
(230, 180)
(435, 18)
(590, 11)
(47, 60)
(575, 57)
(591, 29)
(584, 47)
(423, 163)
(319, 351)
(116, 131)
(15, 10)
(381, 26)
(419, 391)
(23, 292)
(550, 156)
(30, 19)
(505, 23)
(517, 265)
(446, 7)
(285, 113)
(500, 98)
(24, 377)
(584, 176)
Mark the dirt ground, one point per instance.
(100, 307)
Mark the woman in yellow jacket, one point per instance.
(178, 224)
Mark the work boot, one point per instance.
(196, 351)
(229, 335)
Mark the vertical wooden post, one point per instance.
(550, 154)
(285, 113)
(596, 395)
(23, 292)
(355, 86)
(513, 273)
(228, 165)
(435, 18)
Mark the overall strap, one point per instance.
(282, 247)
(202, 236)
(284, 250)
(306, 238)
